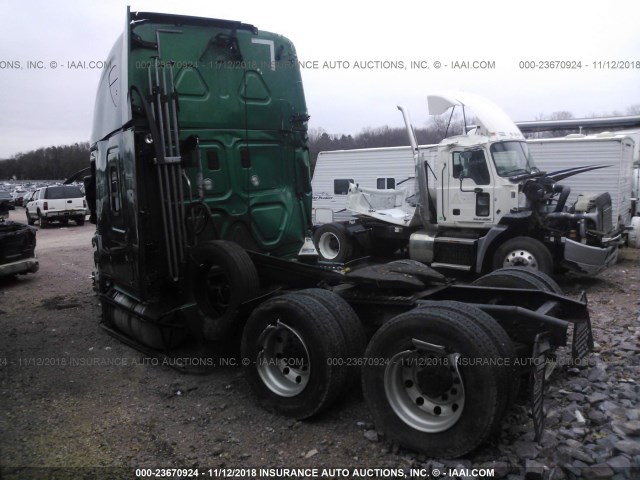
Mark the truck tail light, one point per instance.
(45, 206)
(84, 203)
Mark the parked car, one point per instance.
(17, 249)
(6, 203)
(28, 197)
(18, 196)
(59, 202)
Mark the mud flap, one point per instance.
(541, 349)
(582, 337)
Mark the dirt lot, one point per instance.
(73, 396)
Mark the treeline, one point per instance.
(434, 132)
(51, 163)
(56, 163)
(566, 115)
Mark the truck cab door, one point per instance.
(115, 204)
(468, 189)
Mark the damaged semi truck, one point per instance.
(476, 203)
(200, 191)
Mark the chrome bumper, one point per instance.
(588, 259)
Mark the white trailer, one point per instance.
(378, 168)
(607, 148)
(635, 135)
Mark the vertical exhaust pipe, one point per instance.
(413, 141)
(426, 204)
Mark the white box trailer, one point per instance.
(607, 148)
(381, 168)
(635, 135)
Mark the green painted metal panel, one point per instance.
(239, 91)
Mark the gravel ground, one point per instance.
(73, 397)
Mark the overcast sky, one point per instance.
(53, 106)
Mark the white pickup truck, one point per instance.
(57, 202)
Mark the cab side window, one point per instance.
(473, 165)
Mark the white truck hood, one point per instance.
(493, 121)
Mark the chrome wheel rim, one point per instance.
(329, 245)
(431, 411)
(520, 258)
(283, 362)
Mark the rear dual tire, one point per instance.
(519, 277)
(441, 410)
(350, 328)
(525, 278)
(507, 369)
(300, 352)
(289, 345)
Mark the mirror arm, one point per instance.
(475, 190)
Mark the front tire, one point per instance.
(449, 407)
(222, 277)
(30, 220)
(333, 243)
(523, 252)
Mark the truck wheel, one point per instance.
(80, 221)
(333, 243)
(290, 345)
(523, 252)
(30, 220)
(429, 382)
(506, 350)
(349, 324)
(43, 220)
(521, 278)
(222, 277)
(550, 285)
(518, 278)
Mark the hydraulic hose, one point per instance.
(562, 199)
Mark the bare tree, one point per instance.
(633, 109)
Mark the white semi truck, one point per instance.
(477, 202)
(393, 166)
